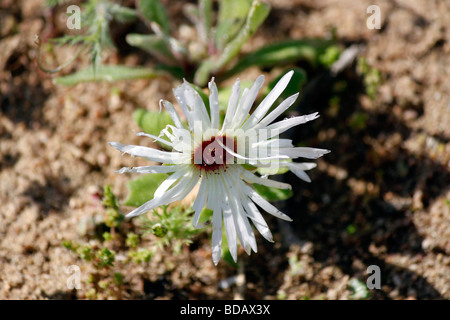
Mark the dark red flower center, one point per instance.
(211, 155)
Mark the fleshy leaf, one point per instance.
(143, 188)
(206, 216)
(330, 56)
(152, 122)
(154, 11)
(272, 194)
(272, 171)
(205, 15)
(258, 13)
(123, 14)
(109, 73)
(153, 44)
(176, 71)
(232, 16)
(282, 53)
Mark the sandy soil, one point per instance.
(381, 197)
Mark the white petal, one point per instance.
(178, 192)
(180, 97)
(299, 169)
(151, 169)
(173, 113)
(199, 202)
(196, 104)
(303, 165)
(245, 232)
(301, 174)
(230, 230)
(166, 184)
(247, 158)
(149, 205)
(286, 104)
(213, 195)
(283, 125)
(184, 186)
(169, 135)
(250, 209)
(232, 105)
(304, 152)
(216, 241)
(155, 138)
(152, 154)
(243, 228)
(250, 177)
(228, 219)
(268, 101)
(258, 220)
(269, 208)
(246, 103)
(274, 143)
(182, 141)
(214, 104)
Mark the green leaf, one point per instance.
(205, 16)
(109, 73)
(282, 53)
(358, 289)
(123, 14)
(232, 16)
(258, 13)
(176, 71)
(143, 188)
(272, 171)
(152, 122)
(272, 194)
(206, 216)
(201, 17)
(330, 56)
(153, 44)
(154, 11)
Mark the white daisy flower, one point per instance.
(217, 157)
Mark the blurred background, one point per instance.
(381, 197)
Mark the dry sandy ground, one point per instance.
(389, 180)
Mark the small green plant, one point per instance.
(113, 217)
(103, 280)
(96, 17)
(371, 76)
(358, 289)
(295, 266)
(102, 261)
(210, 49)
(171, 227)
